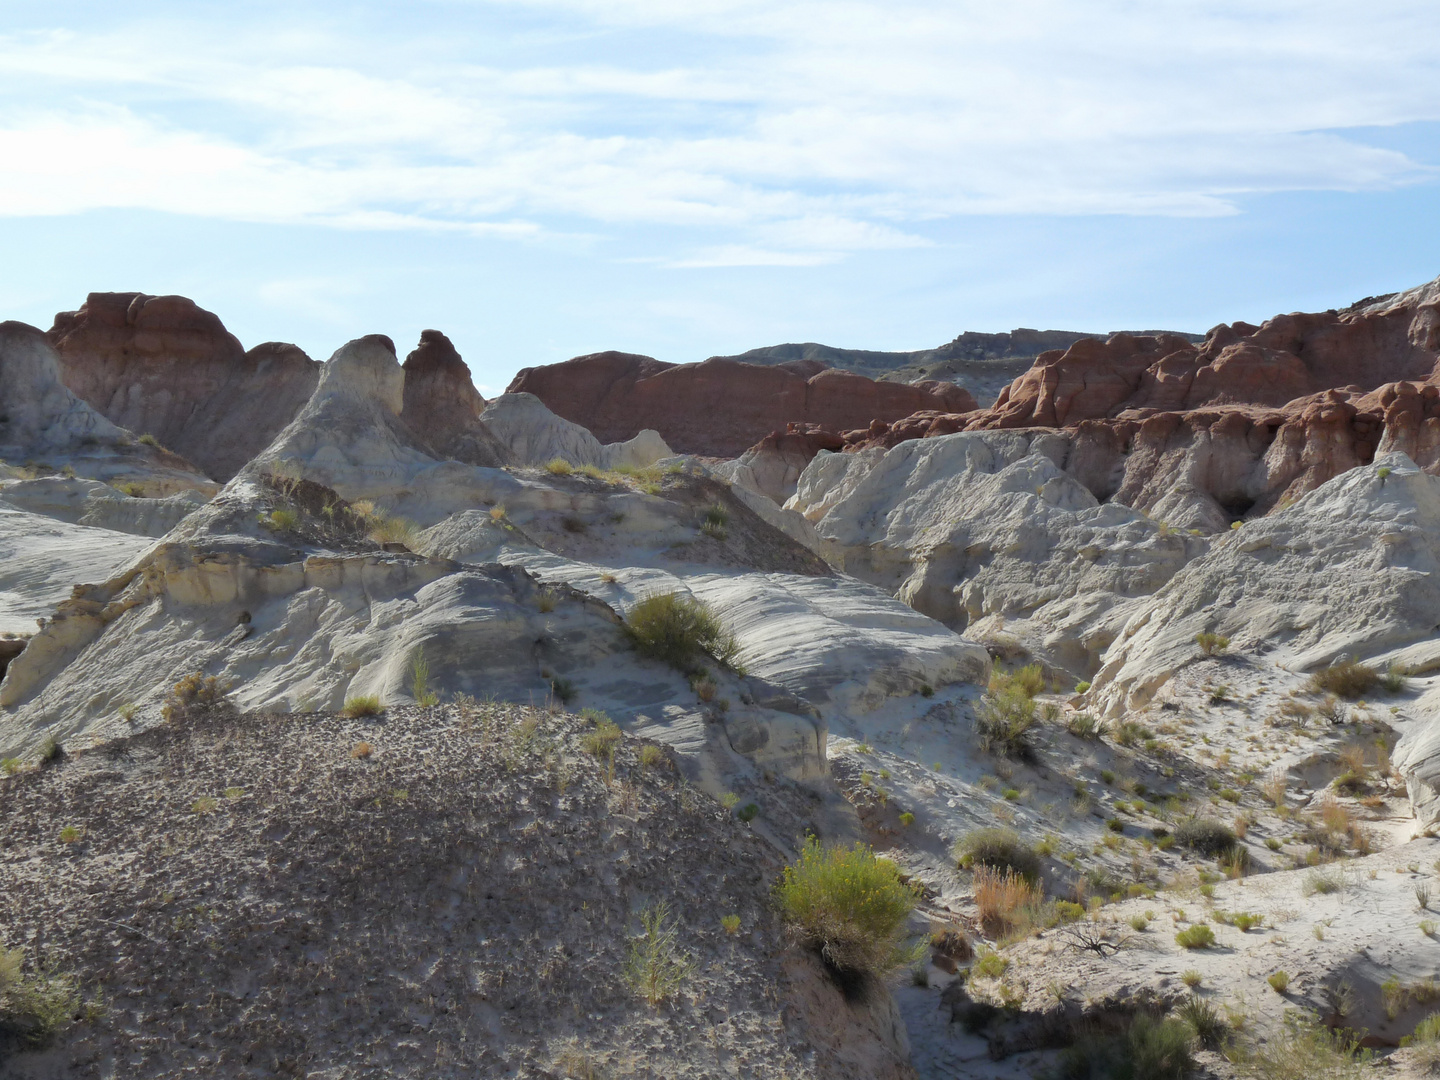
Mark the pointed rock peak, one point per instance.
(367, 369)
(434, 355)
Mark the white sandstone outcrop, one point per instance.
(536, 435)
(1352, 567)
(984, 525)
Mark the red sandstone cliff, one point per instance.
(162, 366)
(720, 407)
(443, 407)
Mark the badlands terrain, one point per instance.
(1049, 706)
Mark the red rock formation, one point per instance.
(161, 366)
(720, 407)
(1254, 417)
(443, 407)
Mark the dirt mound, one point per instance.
(442, 892)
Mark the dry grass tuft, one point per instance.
(1008, 903)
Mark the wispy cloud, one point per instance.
(791, 133)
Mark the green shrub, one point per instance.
(1083, 686)
(1198, 936)
(1279, 981)
(10, 766)
(651, 756)
(1083, 725)
(748, 812)
(1028, 680)
(563, 689)
(989, 964)
(850, 906)
(1308, 1050)
(1207, 836)
(1191, 978)
(35, 1008)
(657, 966)
(1003, 721)
(1395, 680)
(281, 520)
(393, 530)
(999, 849)
(678, 630)
(1425, 1045)
(1203, 1019)
(361, 705)
(1130, 732)
(558, 466)
(907, 819)
(150, 440)
(1349, 679)
(602, 741)
(1211, 643)
(194, 692)
(1149, 1049)
(730, 924)
(420, 680)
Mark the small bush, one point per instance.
(1130, 732)
(907, 818)
(1198, 936)
(281, 520)
(361, 705)
(1395, 680)
(1207, 836)
(545, 601)
(730, 924)
(1083, 686)
(998, 849)
(748, 812)
(989, 964)
(1028, 680)
(70, 835)
(602, 741)
(1308, 1050)
(194, 692)
(1003, 721)
(10, 766)
(420, 680)
(1083, 725)
(1323, 882)
(1149, 1049)
(1425, 1044)
(361, 750)
(1007, 902)
(558, 466)
(1348, 679)
(651, 756)
(150, 440)
(134, 490)
(394, 530)
(204, 806)
(1211, 643)
(563, 689)
(35, 1008)
(1279, 981)
(1191, 978)
(657, 967)
(850, 906)
(676, 629)
(1203, 1019)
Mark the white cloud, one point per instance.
(791, 132)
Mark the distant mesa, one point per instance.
(721, 407)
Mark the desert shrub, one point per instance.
(1424, 1044)
(1149, 1049)
(748, 812)
(10, 766)
(1204, 1021)
(1207, 836)
(1191, 978)
(1083, 725)
(1083, 686)
(393, 530)
(1003, 721)
(36, 1007)
(150, 440)
(651, 756)
(1307, 1050)
(1279, 981)
(194, 692)
(657, 967)
(132, 489)
(1323, 882)
(281, 520)
(907, 818)
(563, 689)
(677, 629)
(361, 705)
(361, 750)
(989, 964)
(1130, 732)
(1349, 679)
(1198, 936)
(1007, 902)
(602, 741)
(1395, 680)
(730, 924)
(850, 906)
(420, 680)
(1028, 680)
(558, 466)
(1211, 643)
(998, 849)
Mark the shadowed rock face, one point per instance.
(162, 366)
(720, 407)
(443, 406)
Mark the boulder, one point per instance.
(719, 407)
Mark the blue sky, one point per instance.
(549, 178)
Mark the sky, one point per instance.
(548, 178)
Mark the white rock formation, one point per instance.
(89, 502)
(984, 525)
(1352, 567)
(536, 435)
